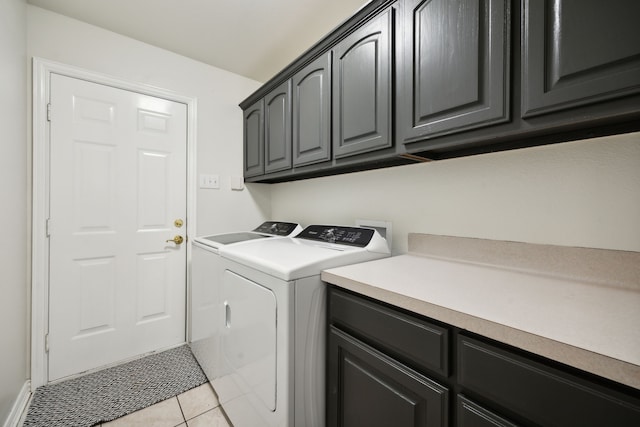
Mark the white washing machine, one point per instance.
(273, 331)
(206, 274)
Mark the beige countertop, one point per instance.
(576, 312)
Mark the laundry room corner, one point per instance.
(14, 370)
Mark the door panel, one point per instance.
(368, 388)
(363, 88)
(118, 181)
(312, 112)
(277, 116)
(153, 198)
(454, 74)
(97, 306)
(152, 287)
(249, 337)
(254, 140)
(578, 53)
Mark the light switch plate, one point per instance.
(209, 181)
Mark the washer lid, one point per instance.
(228, 238)
(264, 230)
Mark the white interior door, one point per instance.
(117, 288)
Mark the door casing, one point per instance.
(42, 70)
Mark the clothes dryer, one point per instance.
(273, 331)
(206, 274)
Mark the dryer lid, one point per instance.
(313, 250)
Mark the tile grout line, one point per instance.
(184, 418)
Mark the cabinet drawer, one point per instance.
(542, 394)
(412, 340)
(471, 415)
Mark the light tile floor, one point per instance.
(198, 407)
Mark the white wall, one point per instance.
(582, 193)
(13, 209)
(218, 92)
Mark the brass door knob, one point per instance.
(177, 240)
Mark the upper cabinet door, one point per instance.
(454, 73)
(362, 91)
(576, 53)
(312, 112)
(277, 116)
(254, 140)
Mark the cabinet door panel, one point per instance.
(367, 388)
(254, 140)
(455, 69)
(578, 53)
(277, 106)
(312, 112)
(362, 88)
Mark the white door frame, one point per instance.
(42, 70)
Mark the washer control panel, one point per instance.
(352, 236)
(276, 228)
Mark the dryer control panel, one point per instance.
(352, 236)
(277, 228)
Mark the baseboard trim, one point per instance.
(19, 406)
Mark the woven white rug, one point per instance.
(111, 393)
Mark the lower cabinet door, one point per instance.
(366, 388)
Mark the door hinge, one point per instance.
(48, 227)
(49, 112)
(46, 343)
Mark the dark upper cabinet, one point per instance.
(253, 118)
(277, 128)
(576, 53)
(311, 100)
(367, 388)
(454, 73)
(362, 88)
(405, 80)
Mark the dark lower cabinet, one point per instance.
(376, 380)
(370, 389)
(576, 53)
(540, 394)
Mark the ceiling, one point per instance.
(253, 38)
